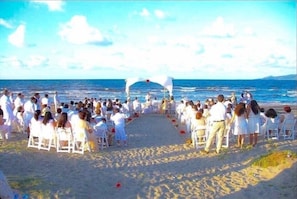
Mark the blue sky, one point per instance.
(117, 39)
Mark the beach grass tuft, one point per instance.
(30, 186)
(274, 158)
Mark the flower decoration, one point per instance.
(113, 130)
(147, 81)
(118, 185)
(182, 132)
(173, 120)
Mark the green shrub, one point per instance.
(274, 158)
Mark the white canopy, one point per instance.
(164, 81)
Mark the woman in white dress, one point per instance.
(254, 119)
(240, 123)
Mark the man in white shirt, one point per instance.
(119, 124)
(218, 117)
(136, 106)
(19, 101)
(45, 100)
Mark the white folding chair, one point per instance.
(35, 131)
(80, 141)
(198, 141)
(288, 129)
(47, 137)
(226, 138)
(64, 139)
(272, 128)
(101, 136)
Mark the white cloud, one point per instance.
(5, 23)
(159, 14)
(11, 61)
(249, 31)
(144, 13)
(17, 38)
(36, 61)
(220, 29)
(78, 31)
(52, 5)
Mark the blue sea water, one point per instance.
(264, 91)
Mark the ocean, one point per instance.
(264, 91)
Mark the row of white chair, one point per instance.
(271, 130)
(199, 141)
(63, 139)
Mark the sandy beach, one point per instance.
(157, 163)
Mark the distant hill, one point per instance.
(284, 77)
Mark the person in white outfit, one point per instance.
(240, 123)
(19, 101)
(6, 106)
(56, 101)
(254, 119)
(218, 117)
(3, 127)
(119, 123)
(29, 109)
(136, 106)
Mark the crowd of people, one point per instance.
(245, 116)
(52, 114)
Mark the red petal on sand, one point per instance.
(129, 119)
(113, 130)
(147, 80)
(182, 132)
(173, 120)
(118, 185)
(168, 115)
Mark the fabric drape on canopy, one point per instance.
(164, 81)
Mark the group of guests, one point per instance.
(88, 114)
(246, 118)
(151, 105)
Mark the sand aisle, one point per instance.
(156, 164)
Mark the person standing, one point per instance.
(253, 114)
(218, 117)
(56, 101)
(240, 123)
(3, 127)
(6, 106)
(119, 124)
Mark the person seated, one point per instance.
(198, 125)
(286, 116)
(19, 121)
(84, 123)
(64, 128)
(101, 127)
(271, 118)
